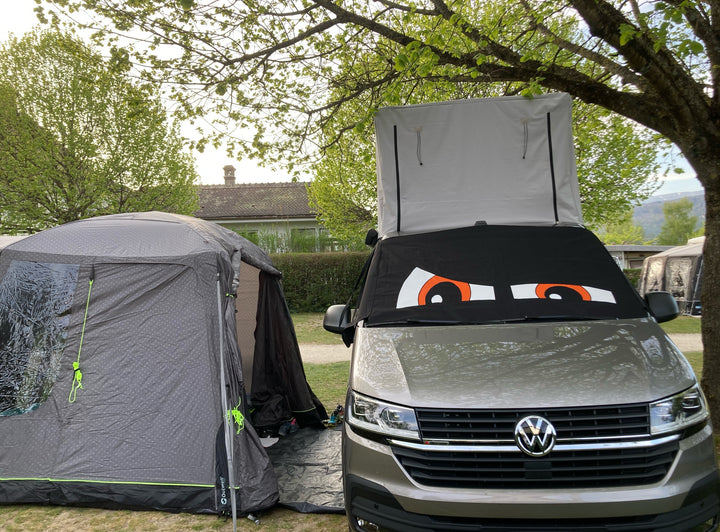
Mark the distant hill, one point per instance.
(650, 216)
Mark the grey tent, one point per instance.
(121, 381)
(679, 271)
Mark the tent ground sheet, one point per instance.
(308, 466)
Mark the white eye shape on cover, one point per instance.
(561, 292)
(423, 288)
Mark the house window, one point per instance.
(35, 303)
(304, 239)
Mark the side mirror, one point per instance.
(662, 305)
(337, 319)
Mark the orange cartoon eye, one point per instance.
(541, 290)
(434, 281)
(561, 292)
(424, 288)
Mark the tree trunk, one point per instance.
(711, 295)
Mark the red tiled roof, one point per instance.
(252, 201)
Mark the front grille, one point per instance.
(619, 421)
(560, 469)
(593, 465)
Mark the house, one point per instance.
(631, 256)
(270, 214)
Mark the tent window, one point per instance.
(677, 276)
(654, 278)
(35, 302)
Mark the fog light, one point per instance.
(366, 526)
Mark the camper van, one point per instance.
(506, 376)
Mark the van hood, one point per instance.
(523, 365)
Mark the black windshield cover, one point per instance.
(494, 274)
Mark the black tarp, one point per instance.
(308, 466)
(495, 274)
(280, 390)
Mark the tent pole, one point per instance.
(225, 409)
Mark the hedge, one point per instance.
(633, 275)
(314, 281)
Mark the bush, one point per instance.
(633, 275)
(314, 281)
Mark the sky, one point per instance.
(18, 17)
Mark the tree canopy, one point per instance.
(79, 139)
(679, 224)
(287, 67)
(622, 231)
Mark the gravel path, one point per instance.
(324, 354)
(687, 342)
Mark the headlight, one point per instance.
(384, 418)
(679, 411)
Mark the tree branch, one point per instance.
(704, 28)
(626, 74)
(666, 76)
(406, 9)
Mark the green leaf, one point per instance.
(627, 33)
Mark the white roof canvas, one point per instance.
(507, 160)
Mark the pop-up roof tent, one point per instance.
(121, 383)
(506, 160)
(679, 271)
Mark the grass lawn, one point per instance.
(329, 382)
(309, 330)
(62, 519)
(682, 324)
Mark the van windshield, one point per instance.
(490, 274)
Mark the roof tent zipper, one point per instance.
(397, 175)
(552, 167)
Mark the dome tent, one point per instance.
(121, 382)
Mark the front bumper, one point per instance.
(378, 491)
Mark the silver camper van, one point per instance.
(505, 375)
(510, 378)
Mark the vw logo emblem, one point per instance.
(535, 436)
